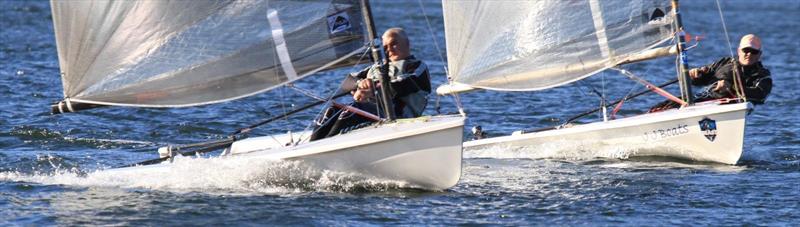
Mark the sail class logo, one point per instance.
(709, 128)
(338, 22)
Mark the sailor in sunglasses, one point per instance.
(719, 76)
(756, 79)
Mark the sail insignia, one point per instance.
(657, 15)
(338, 22)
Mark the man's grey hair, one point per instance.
(399, 32)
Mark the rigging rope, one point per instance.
(618, 107)
(281, 91)
(455, 97)
(349, 108)
(603, 97)
(725, 29)
(591, 88)
(332, 94)
(650, 86)
(283, 56)
(430, 31)
(737, 80)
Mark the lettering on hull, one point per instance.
(660, 134)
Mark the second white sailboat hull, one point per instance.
(705, 132)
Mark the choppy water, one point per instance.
(48, 162)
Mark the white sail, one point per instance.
(184, 53)
(534, 45)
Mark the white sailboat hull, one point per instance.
(686, 133)
(424, 152)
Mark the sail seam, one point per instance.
(599, 26)
(280, 45)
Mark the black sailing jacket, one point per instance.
(756, 79)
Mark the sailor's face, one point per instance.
(396, 48)
(749, 56)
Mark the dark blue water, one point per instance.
(48, 162)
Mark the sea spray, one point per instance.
(214, 175)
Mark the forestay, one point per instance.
(184, 53)
(534, 45)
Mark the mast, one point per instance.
(683, 69)
(377, 57)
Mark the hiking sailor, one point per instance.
(410, 86)
(719, 76)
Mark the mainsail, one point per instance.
(185, 53)
(534, 45)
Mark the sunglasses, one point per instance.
(751, 51)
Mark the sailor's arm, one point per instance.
(361, 74)
(704, 75)
(363, 89)
(412, 80)
(760, 89)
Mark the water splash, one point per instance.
(227, 175)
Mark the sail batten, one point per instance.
(186, 53)
(534, 45)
